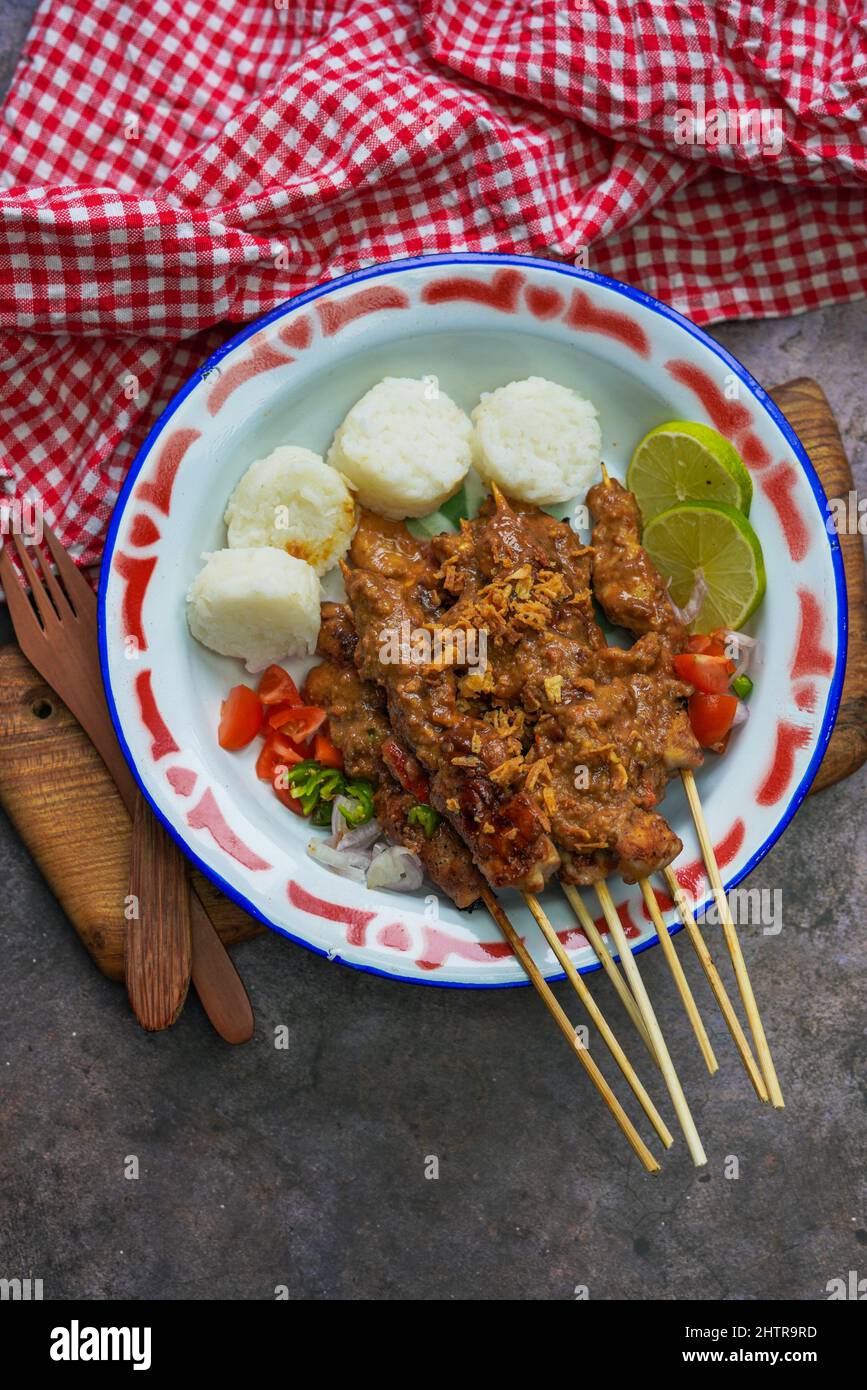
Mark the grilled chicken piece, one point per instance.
(661, 739)
(356, 714)
(633, 594)
(393, 589)
(626, 582)
(360, 729)
(446, 858)
(589, 710)
(338, 638)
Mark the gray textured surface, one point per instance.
(305, 1167)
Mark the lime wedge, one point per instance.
(717, 541)
(683, 461)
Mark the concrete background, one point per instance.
(306, 1167)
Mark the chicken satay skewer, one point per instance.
(386, 586)
(353, 706)
(715, 981)
(514, 547)
(641, 603)
(577, 983)
(390, 599)
(560, 1018)
(670, 1076)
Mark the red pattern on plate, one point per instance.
(182, 780)
(663, 902)
(298, 333)
(161, 739)
(811, 658)
(583, 314)
(158, 489)
(790, 737)
(335, 314)
(572, 938)
(143, 532)
(730, 417)
(778, 486)
(438, 945)
(691, 875)
(395, 936)
(544, 303)
(355, 918)
(136, 573)
(263, 358)
(753, 451)
(500, 292)
(206, 815)
(807, 698)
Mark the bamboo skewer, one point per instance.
(560, 1018)
(680, 979)
(607, 961)
(598, 1019)
(715, 981)
(672, 1081)
(732, 942)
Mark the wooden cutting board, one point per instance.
(55, 789)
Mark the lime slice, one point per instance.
(717, 541)
(683, 461)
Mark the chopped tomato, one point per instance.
(300, 722)
(407, 770)
(241, 717)
(326, 752)
(711, 717)
(706, 644)
(710, 674)
(276, 687)
(288, 749)
(276, 751)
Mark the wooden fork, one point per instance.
(168, 940)
(157, 950)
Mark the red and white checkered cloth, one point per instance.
(170, 168)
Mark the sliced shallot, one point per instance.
(348, 864)
(746, 649)
(396, 868)
(691, 609)
(346, 836)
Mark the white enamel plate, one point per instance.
(473, 322)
